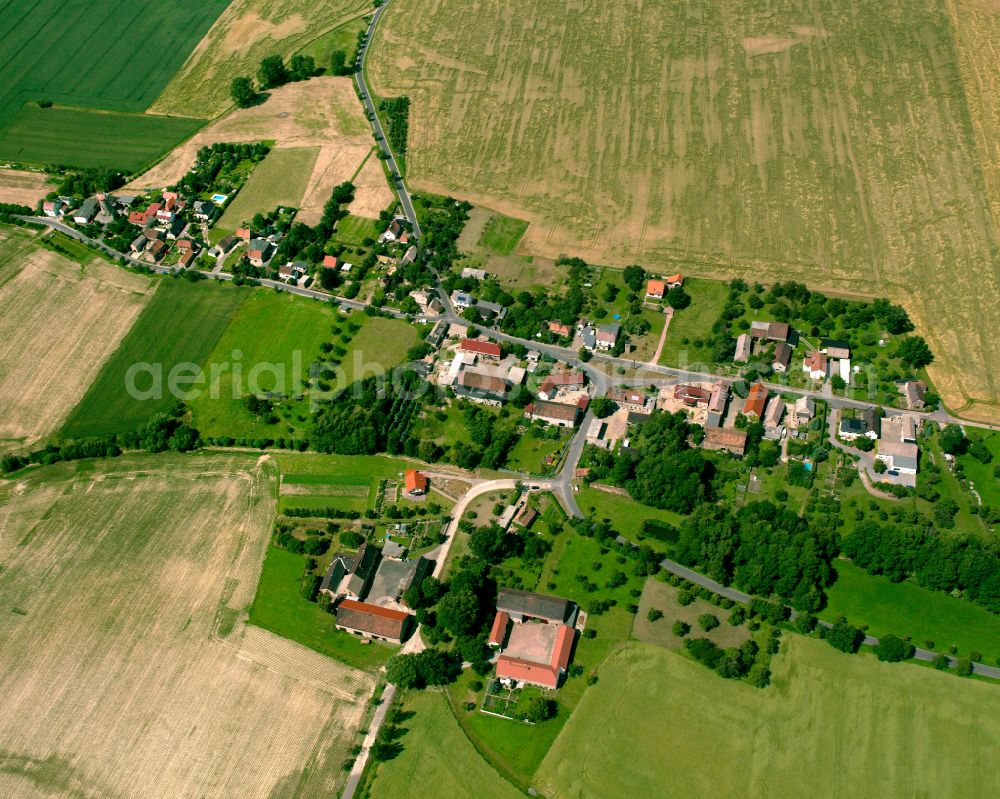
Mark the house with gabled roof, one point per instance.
(753, 408)
(372, 621)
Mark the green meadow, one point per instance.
(279, 180)
(180, 325)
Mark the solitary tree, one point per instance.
(914, 352)
(242, 92)
(540, 709)
(843, 636)
(338, 63)
(892, 648)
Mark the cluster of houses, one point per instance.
(779, 339)
(533, 636)
(101, 208)
(366, 590)
(895, 438)
(657, 289)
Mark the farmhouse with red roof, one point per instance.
(534, 634)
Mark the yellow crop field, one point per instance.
(59, 323)
(818, 140)
(247, 31)
(126, 668)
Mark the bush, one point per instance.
(844, 636)
(654, 614)
(681, 628)
(892, 649)
(707, 622)
(540, 709)
(964, 667)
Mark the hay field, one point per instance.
(322, 112)
(279, 180)
(818, 140)
(127, 670)
(59, 324)
(26, 188)
(830, 725)
(246, 32)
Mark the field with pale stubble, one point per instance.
(126, 668)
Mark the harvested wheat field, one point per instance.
(247, 31)
(59, 323)
(815, 140)
(22, 187)
(126, 669)
(322, 112)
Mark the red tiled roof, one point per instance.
(243, 233)
(522, 670)
(559, 328)
(331, 262)
(481, 347)
(415, 481)
(656, 288)
(678, 278)
(564, 646)
(756, 400)
(499, 630)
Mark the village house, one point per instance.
(259, 252)
(516, 375)
(607, 336)
(632, 400)
(395, 577)
(534, 635)
(360, 572)
(225, 245)
(717, 404)
(753, 408)
(770, 331)
(554, 413)
(772, 418)
(204, 210)
(332, 262)
(409, 256)
(725, 438)
(53, 208)
(815, 365)
(674, 281)
(484, 350)
(691, 395)
(155, 251)
(805, 409)
(481, 388)
(560, 329)
(744, 344)
(868, 424)
(461, 301)
(139, 244)
(187, 259)
(473, 274)
(655, 289)
(554, 383)
(175, 228)
(416, 483)
(913, 392)
(372, 621)
(109, 208)
(782, 357)
(394, 232)
(526, 516)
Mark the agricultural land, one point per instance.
(126, 586)
(829, 143)
(59, 323)
(246, 32)
(22, 187)
(322, 112)
(866, 727)
(279, 180)
(59, 54)
(180, 325)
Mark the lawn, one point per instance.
(179, 326)
(85, 138)
(71, 248)
(864, 728)
(906, 609)
(502, 233)
(981, 474)
(764, 139)
(708, 297)
(113, 55)
(436, 753)
(280, 180)
(625, 514)
(278, 337)
(353, 230)
(529, 453)
(280, 608)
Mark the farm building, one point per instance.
(554, 413)
(913, 391)
(372, 621)
(534, 634)
(631, 399)
(482, 388)
(485, 350)
(835, 348)
(525, 605)
(743, 348)
(692, 395)
(725, 438)
(770, 331)
(782, 357)
(553, 383)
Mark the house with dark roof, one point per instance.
(395, 577)
(782, 357)
(373, 621)
(481, 388)
(225, 245)
(259, 252)
(85, 214)
(770, 331)
(913, 392)
(339, 568)
(362, 571)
